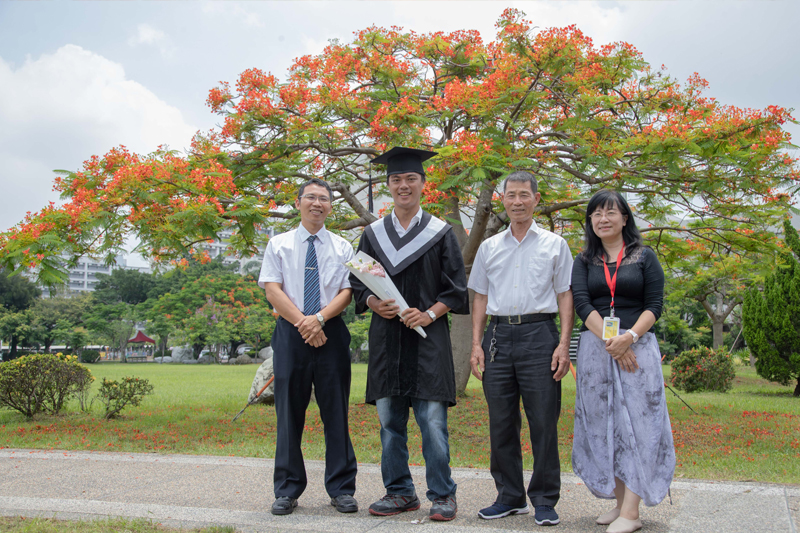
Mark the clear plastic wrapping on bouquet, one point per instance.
(371, 273)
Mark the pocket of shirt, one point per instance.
(332, 274)
(540, 273)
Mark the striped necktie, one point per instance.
(311, 302)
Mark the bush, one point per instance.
(42, 382)
(117, 395)
(90, 356)
(703, 369)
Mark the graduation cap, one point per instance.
(400, 160)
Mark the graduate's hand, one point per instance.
(560, 362)
(477, 361)
(617, 346)
(413, 317)
(385, 308)
(318, 340)
(628, 361)
(310, 326)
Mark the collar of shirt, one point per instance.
(399, 227)
(533, 229)
(303, 234)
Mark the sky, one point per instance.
(78, 78)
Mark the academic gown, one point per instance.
(426, 265)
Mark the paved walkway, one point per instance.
(195, 491)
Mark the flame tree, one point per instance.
(705, 178)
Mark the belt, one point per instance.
(523, 319)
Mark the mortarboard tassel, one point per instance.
(369, 186)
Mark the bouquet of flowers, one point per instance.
(372, 274)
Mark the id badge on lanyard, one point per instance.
(611, 323)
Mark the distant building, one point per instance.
(219, 247)
(83, 278)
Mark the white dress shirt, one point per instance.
(416, 219)
(285, 261)
(522, 278)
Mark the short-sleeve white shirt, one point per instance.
(285, 259)
(522, 278)
(416, 219)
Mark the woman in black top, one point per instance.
(622, 444)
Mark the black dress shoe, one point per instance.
(345, 503)
(284, 505)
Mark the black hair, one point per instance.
(606, 198)
(315, 181)
(522, 177)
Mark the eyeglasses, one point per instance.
(313, 198)
(611, 213)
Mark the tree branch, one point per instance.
(353, 202)
(483, 210)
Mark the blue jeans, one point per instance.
(432, 421)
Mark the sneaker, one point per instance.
(284, 505)
(345, 503)
(444, 509)
(500, 510)
(546, 515)
(393, 504)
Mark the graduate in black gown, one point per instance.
(422, 256)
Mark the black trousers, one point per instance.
(521, 368)
(297, 365)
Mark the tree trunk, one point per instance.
(797, 388)
(461, 341)
(717, 321)
(716, 328)
(12, 353)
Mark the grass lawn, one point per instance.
(49, 525)
(750, 433)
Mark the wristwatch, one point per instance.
(634, 335)
(322, 320)
(432, 315)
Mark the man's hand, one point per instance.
(477, 361)
(560, 362)
(413, 317)
(309, 326)
(617, 346)
(627, 361)
(318, 340)
(385, 308)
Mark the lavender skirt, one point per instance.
(622, 425)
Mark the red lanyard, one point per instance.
(612, 282)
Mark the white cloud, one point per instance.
(146, 34)
(62, 108)
(150, 36)
(234, 12)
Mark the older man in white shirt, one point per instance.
(307, 283)
(521, 277)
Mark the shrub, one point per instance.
(90, 356)
(42, 382)
(703, 369)
(117, 395)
